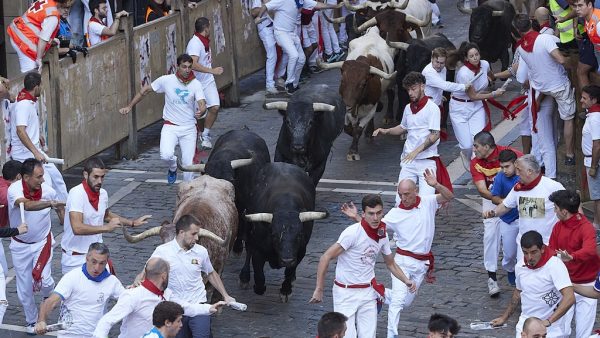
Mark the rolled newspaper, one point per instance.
(22, 207)
(508, 81)
(55, 160)
(476, 77)
(56, 327)
(238, 306)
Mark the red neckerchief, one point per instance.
(528, 40)
(595, 108)
(415, 107)
(185, 80)
(417, 202)
(153, 288)
(526, 187)
(374, 234)
(205, 41)
(94, 19)
(472, 67)
(543, 260)
(93, 197)
(33, 196)
(25, 95)
(545, 25)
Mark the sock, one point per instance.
(492, 275)
(206, 132)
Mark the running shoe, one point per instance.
(171, 176)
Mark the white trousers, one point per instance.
(53, 176)
(468, 118)
(558, 329)
(290, 44)
(3, 301)
(360, 306)
(186, 137)
(3, 262)
(330, 38)
(343, 35)
(26, 64)
(24, 258)
(496, 231)
(584, 313)
(69, 262)
(402, 298)
(268, 39)
(544, 141)
(414, 171)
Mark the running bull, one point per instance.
(312, 120)
(281, 210)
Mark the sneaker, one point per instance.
(272, 91)
(171, 176)
(512, 279)
(493, 288)
(315, 69)
(327, 56)
(332, 58)
(280, 83)
(290, 89)
(569, 160)
(30, 329)
(206, 142)
(339, 56)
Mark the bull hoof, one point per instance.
(285, 298)
(353, 157)
(244, 285)
(260, 290)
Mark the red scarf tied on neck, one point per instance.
(375, 234)
(474, 68)
(528, 40)
(543, 260)
(526, 187)
(417, 202)
(187, 79)
(93, 197)
(153, 288)
(25, 95)
(35, 195)
(415, 107)
(545, 25)
(205, 41)
(595, 108)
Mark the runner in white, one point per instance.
(84, 294)
(590, 145)
(7, 232)
(32, 252)
(167, 320)
(25, 138)
(544, 289)
(86, 211)
(355, 290)
(135, 305)
(184, 104)
(265, 32)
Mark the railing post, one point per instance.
(233, 92)
(52, 66)
(132, 150)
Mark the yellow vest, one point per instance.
(565, 29)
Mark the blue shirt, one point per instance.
(154, 333)
(501, 187)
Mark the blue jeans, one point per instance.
(195, 327)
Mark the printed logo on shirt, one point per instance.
(182, 93)
(551, 298)
(100, 299)
(369, 256)
(195, 261)
(531, 207)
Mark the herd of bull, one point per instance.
(244, 200)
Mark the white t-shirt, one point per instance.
(414, 229)
(196, 48)
(419, 128)
(464, 75)
(267, 21)
(78, 202)
(185, 279)
(287, 13)
(48, 27)
(38, 221)
(180, 99)
(536, 211)
(86, 300)
(545, 74)
(24, 113)
(588, 135)
(357, 263)
(540, 288)
(95, 32)
(436, 84)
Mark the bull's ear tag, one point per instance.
(194, 261)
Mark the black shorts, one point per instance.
(586, 53)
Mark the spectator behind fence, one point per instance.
(156, 9)
(98, 30)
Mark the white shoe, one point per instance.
(272, 91)
(30, 329)
(206, 143)
(493, 288)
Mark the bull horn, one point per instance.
(394, 44)
(211, 235)
(136, 238)
(190, 168)
(461, 8)
(317, 106)
(497, 13)
(281, 105)
(381, 73)
(370, 23)
(353, 8)
(308, 216)
(339, 20)
(397, 5)
(260, 217)
(420, 23)
(242, 162)
(332, 65)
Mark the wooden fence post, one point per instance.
(132, 149)
(53, 107)
(233, 92)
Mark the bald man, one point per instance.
(413, 223)
(542, 16)
(533, 328)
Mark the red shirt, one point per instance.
(486, 169)
(578, 236)
(4, 184)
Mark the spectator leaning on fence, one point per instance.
(98, 30)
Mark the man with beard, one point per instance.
(86, 212)
(98, 31)
(421, 122)
(135, 305)
(184, 104)
(84, 293)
